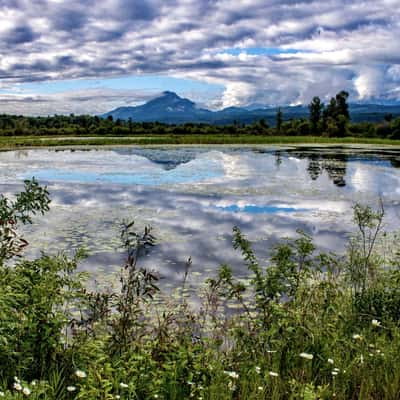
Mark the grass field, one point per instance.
(8, 142)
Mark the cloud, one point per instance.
(339, 45)
(369, 83)
(65, 19)
(90, 101)
(19, 35)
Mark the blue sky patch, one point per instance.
(253, 209)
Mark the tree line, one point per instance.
(333, 120)
(330, 120)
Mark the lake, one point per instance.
(193, 196)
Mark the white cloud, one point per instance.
(369, 83)
(340, 44)
(90, 101)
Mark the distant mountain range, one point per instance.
(169, 108)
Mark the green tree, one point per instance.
(130, 125)
(396, 128)
(279, 119)
(341, 123)
(388, 117)
(336, 115)
(341, 104)
(332, 129)
(316, 107)
(264, 123)
(332, 109)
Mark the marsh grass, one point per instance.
(307, 325)
(13, 142)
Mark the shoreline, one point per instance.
(31, 142)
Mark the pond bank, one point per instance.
(15, 142)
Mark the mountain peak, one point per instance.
(167, 93)
(169, 102)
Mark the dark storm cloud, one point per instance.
(339, 44)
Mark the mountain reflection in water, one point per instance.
(193, 196)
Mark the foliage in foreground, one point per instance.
(306, 326)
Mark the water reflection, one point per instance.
(335, 166)
(166, 159)
(395, 162)
(194, 196)
(334, 160)
(254, 209)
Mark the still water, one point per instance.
(193, 196)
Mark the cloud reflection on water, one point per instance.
(178, 191)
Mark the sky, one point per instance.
(90, 56)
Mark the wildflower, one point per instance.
(307, 356)
(33, 383)
(336, 369)
(258, 370)
(330, 361)
(231, 386)
(271, 351)
(376, 323)
(232, 374)
(334, 373)
(17, 386)
(117, 396)
(260, 388)
(273, 373)
(80, 374)
(16, 379)
(123, 385)
(2, 394)
(356, 336)
(71, 388)
(26, 391)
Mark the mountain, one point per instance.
(256, 106)
(169, 108)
